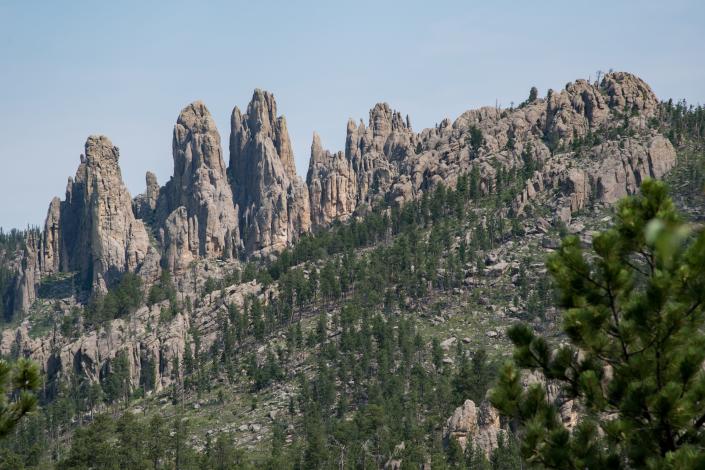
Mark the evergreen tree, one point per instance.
(456, 459)
(475, 139)
(635, 317)
(506, 456)
(156, 446)
(92, 447)
(475, 458)
(132, 452)
(533, 95)
(117, 383)
(18, 384)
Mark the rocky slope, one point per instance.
(152, 348)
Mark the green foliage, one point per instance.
(116, 384)
(507, 455)
(129, 442)
(162, 290)
(635, 318)
(222, 455)
(18, 385)
(263, 375)
(533, 95)
(472, 378)
(682, 123)
(210, 286)
(475, 139)
(511, 140)
(120, 301)
(92, 447)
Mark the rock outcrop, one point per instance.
(150, 346)
(386, 161)
(28, 274)
(340, 184)
(94, 231)
(198, 203)
(180, 240)
(477, 426)
(273, 201)
(377, 150)
(332, 185)
(603, 174)
(145, 204)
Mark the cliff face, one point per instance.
(198, 216)
(93, 231)
(273, 201)
(145, 204)
(332, 185)
(150, 346)
(603, 174)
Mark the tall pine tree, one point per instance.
(635, 318)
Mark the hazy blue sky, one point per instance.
(125, 69)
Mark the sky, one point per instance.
(125, 69)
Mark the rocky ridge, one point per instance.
(478, 425)
(209, 214)
(258, 205)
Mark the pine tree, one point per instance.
(474, 184)
(456, 459)
(131, 452)
(156, 446)
(475, 458)
(533, 95)
(18, 384)
(635, 318)
(475, 140)
(117, 383)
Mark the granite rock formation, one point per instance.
(145, 204)
(149, 345)
(273, 201)
(198, 203)
(94, 231)
(388, 162)
(258, 205)
(341, 184)
(474, 425)
(207, 219)
(604, 174)
(332, 185)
